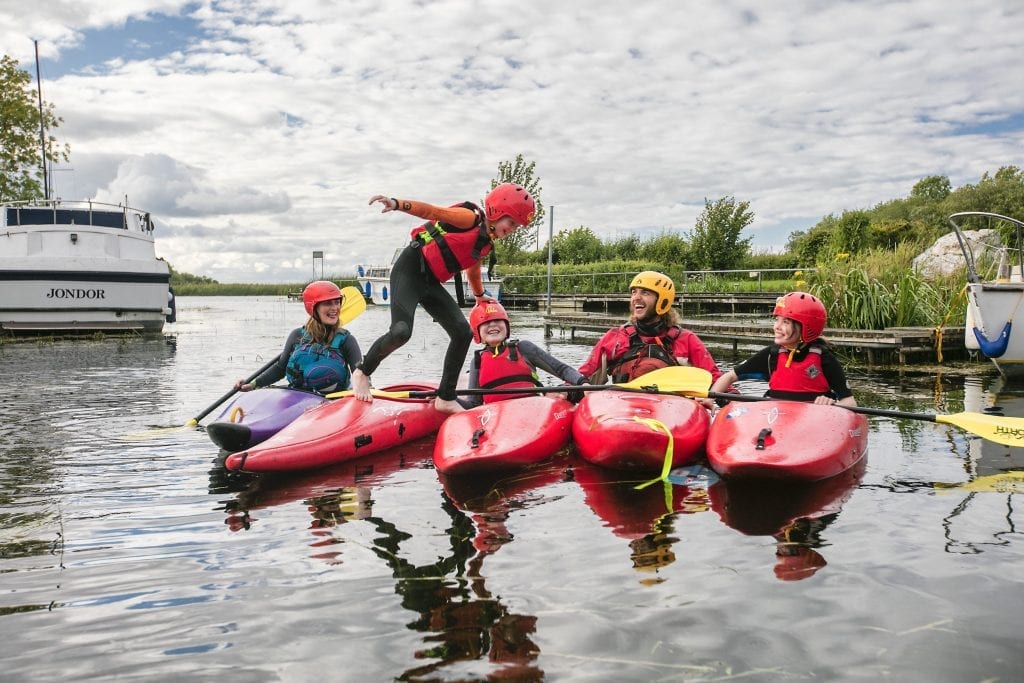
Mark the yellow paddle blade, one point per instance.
(353, 303)
(1008, 431)
(375, 392)
(675, 379)
(1004, 482)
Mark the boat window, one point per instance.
(34, 216)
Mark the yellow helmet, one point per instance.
(660, 284)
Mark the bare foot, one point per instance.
(361, 386)
(447, 406)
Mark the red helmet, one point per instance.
(485, 312)
(807, 310)
(509, 199)
(318, 291)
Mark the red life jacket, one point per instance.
(803, 376)
(644, 354)
(448, 249)
(505, 369)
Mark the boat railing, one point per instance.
(1005, 272)
(82, 213)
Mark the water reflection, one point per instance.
(795, 515)
(985, 515)
(644, 516)
(332, 495)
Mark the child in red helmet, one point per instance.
(453, 239)
(800, 364)
(318, 356)
(504, 363)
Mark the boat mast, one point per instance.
(42, 128)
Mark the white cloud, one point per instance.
(268, 130)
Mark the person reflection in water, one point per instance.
(795, 555)
(461, 620)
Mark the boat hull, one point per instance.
(341, 430)
(785, 440)
(503, 435)
(80, 267)
(255, 416)
(612, 429)
(990, 307)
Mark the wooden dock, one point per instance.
(874, 345)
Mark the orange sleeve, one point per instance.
(459, 216)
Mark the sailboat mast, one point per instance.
(42, 126)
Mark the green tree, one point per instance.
(578, 245)
(623, 249)
(525, 239)
(21, 167)
(851, 232)
(934, 188)
(669, 248)
(715, 242)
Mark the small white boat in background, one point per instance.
(993, 303)
(80, 267)
(375, 282)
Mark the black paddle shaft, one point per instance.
(853, 409)
(231, 393)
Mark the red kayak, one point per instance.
(342, 430)
(503, 435)
(786, 440)
(618, 429)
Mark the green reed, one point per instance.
(880, 288)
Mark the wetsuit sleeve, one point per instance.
(459, 216)
(276, 371)
(474, 383)
(350, 349)
(835, 375)
(755, 367)
(697, 354)
(540, 358)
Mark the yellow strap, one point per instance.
(657, 425)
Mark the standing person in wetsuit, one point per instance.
(318, 356)
(800, 365)
(504, 363)
(653, 338)
(453, 239)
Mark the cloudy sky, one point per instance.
(256, 130)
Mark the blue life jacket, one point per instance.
(318, 367)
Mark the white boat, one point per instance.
(80, 267)
(375, 281)
(994, 302)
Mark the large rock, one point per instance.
(945, 256)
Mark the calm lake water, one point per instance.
(127, 554)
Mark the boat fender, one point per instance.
(762, 436)
(994, 348)
(172, 306)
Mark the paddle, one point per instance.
(1008, 431)
(671, 380)
(353, 303)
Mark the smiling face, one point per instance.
(493, 332)
(327, 311)
(787, 332)
(642, 303)
(503, 227)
